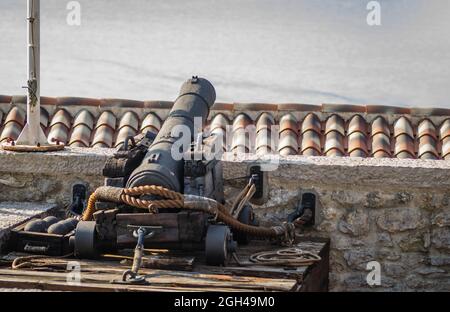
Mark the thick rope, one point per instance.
(153, 190)
(177, 200)
(27, 261)
(287, 257)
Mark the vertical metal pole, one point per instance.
(32, 133)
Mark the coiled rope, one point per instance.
(177, 200)
(293, 256)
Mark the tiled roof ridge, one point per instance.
(236, 106)
(303, 129)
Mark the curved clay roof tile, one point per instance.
(84, 117)
(334, 144)
(62, 117)
(241, 121)
(311, 122)
(289, 122)
(106, 118)
(151, 122)
(380, 125)
(403, 126)
(129, 119)
(264, 121)
(381, 145)
(357, 124)
(404, 146)
(17, 115)
(335, 123)
(310, 140)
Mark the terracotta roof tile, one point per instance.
(289, 122)
(404, 138)
(13, 124)
(263, 142)
(58, 133)
(357, 144)
(10, 131)
(425, 111)
(444, 130)
(5, 98)
(82, 129)
(311, 122)
(290, 129)
(123, 133)
(264, 125)
(128, 126)
(62, 117)
(45, 100)
(104, 130)
(80, 136)
(404, 146)
(380, 125)
(84, 117)
(151, 123)
(428, 141)
(219, 121)
(444, 135)
(106, 118)
(241, 142)
(122, 103)
(335, 123)
(357, 124)
(158, 104)
(446, 148)
(334, 144)
(129, 119)
(18, 99)
(264, 121)
(403, 126)
(427, 148)
(77, 101)
(343, 108)
(299, 107)
(241, 121)
(103, 136)
(258, 107)
(426, 127)
(17, 115)
(60, 127)
(288, 141)
(45, 118)
(310, 145)
(218, 127)
(380, 109)
(357, 137)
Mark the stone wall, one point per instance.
(396, 212)
(49, 177)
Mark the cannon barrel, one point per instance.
(159, 167)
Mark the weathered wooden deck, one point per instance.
(105, 275)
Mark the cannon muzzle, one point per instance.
(159, 166)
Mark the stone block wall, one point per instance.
(49, 177)
(393, 211)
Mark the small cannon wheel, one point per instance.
(217, 240)
(85, 240)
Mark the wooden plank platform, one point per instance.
(104, 275)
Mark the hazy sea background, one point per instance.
(277, 51)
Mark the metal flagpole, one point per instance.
(32, 137)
